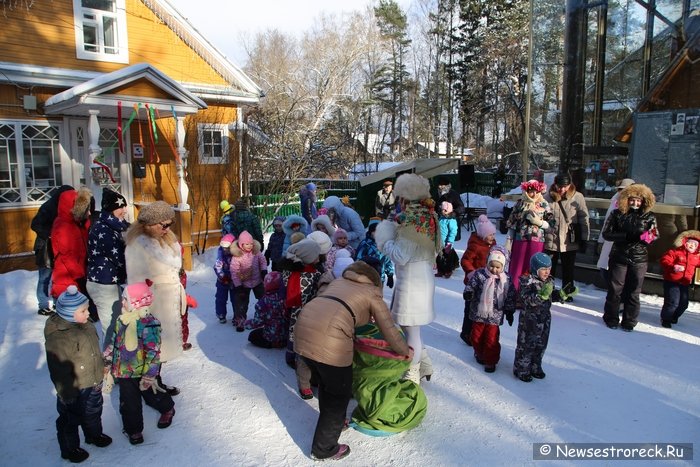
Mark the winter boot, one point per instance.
(426, 365)
(413, 373)
(166, 419)
(76, 456)
(101, 441)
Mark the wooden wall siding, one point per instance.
(141, 88)
(44, 35)
(16, 235)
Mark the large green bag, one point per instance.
(386, 404)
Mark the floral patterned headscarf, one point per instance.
(421, 215)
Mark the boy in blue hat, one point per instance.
(74, 358)
(537, 292)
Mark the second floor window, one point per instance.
(101, 30)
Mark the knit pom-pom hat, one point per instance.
(227, 240)
(496, 255)
(484, 227)
(69, 302)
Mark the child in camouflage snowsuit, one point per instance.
(537, 293)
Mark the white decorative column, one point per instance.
(182, 188)
(92, 179)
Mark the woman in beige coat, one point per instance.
(153, 253)
(568, 208)
(323, 337)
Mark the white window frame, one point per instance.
(122, 43)
(204, 158)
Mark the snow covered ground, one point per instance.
(239, 404)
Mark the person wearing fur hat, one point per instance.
(527, 224)
(323, 223)
(603, 248)
(631, 227)
(446, 193)
(368, 248)
(679, 265)
(536, 293)
(153, 252)
(106, 266)
(447, 260)
(292, 224)
(570, 215)
(224, 285)
(133, 357)
(340, 242)
(248, 269)
(74, 360)
(69, 237)
(226, 220)
(270, 325)
(412, 243)
(385, 201)
(307, 199)
(300, 276)
(490, 296)
(273, 253)
(474, 257)
(324, 340)
(347, 219)
(243, 219)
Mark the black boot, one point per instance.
(76, 456)
(101, 441)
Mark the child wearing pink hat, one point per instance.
(340, 242)
(248, 269)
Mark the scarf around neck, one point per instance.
(494, 288)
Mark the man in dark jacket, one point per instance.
(242, 219)
(42, 224)
(446, 193)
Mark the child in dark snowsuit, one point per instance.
(273, 254)
(679, 265)
(491, 295)
(270, 326)
(537, 292)
(224, 286)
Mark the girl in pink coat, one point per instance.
(248, 269)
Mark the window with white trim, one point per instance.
(213, 143)
(100, 30)
(30, 162)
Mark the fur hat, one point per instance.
(325, 221)
(339, 233)
(272, 281)
(412, 187)
(364, 269)
(82, 204)
(227, 240)
(484, 227)
(539, 261)
(496, 255)
(297, 237)
(111, 200)
(562, 179)
(446, 206)
(138, 295)
(685, 236)
(342, 261)
(637, 190)
(69, 302)
(245, 237)
(225, 206)
(305, 251)
(155, 213)
(323, 241)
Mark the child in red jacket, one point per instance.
(474, 258)
(679, 265)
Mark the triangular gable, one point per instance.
(104, 92)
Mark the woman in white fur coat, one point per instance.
(412, 243)
(153, 253)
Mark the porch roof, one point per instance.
(100, 93)
(425, 167)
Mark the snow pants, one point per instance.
(675, 301)
(84, 411)
(240, 306)
(485, 340)
(130, 406)
(533, 336)
(224, 293)
(625, 281)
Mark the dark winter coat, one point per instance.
(476, 286)
(530, 286)
(368, 247)
(271, 316)
(69, 241)
(106, 264)
(455, 200)
(222, 265)
(242, 219)
(73, 356)
(307, 199)
(625, 226)
(227, 224)
(679, 255)
(42, 223)
(273, 254)
(325, 327)
(475, 255)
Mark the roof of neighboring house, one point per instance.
(375, 143)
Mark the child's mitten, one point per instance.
(546, 291)
(191, 301)
(150, 382)
(107, 381)
(678, 267)
(510, 317)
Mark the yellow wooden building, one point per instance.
(119, 93)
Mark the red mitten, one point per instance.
(191, 301)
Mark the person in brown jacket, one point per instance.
(323, 337)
